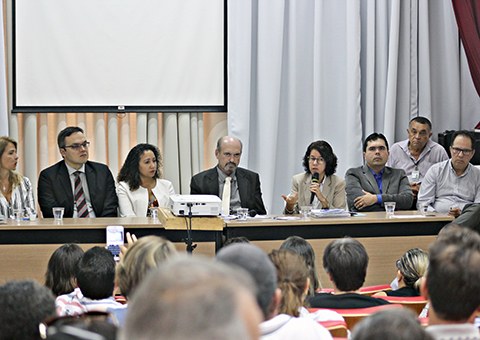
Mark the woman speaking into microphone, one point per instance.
(317, 186)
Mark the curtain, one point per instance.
(339, 70)
(3, 75)
(467, 13)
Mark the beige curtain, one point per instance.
(186, 140)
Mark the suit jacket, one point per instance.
(206, 183)
(55, 190)
(135, 203)
(333, 190)
(395, 188)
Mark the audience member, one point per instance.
(324, 192)
(452, 284)
(418, 153)
(371, 185)
(16, 191)
(140, 186)
(82, 187)
(60, 274)
(95, 276)
(470, 217)
(274, 325)
(244, 184)
(391, 324)
(449, 185)
(345, 260)
(411, 268)
(303, 248)
(23, 305)
(238, 239)
(193, 298)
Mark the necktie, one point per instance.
(79, 195)
(226, 197)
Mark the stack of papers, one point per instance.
(330, 213)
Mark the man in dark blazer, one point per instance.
(369, 186)
(245, 192)
(56, 183)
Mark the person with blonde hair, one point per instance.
(411, 268)
(16, 192)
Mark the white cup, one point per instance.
(58, 213)
(305, 210)
(422, 208)
(390, 209)
(242, 214)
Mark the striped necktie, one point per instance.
(80, 201)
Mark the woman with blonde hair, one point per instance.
(16, 192)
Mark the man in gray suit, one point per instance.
(371, 185)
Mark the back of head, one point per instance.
(392, 324)
(303, 248)
(346, 261)
(60, 274)
(256, 262)
(147, 253)
(96, 273)
(192, 298)
(23, 305)
(292, 276)
(413, 265)
(453, 277)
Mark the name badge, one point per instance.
(415, 175)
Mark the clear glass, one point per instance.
(58, 213)
(153, 212)
(242, 214)
(422, 208)
(390, 209)
(305, 210)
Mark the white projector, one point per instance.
(200, 205)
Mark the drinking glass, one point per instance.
(390, 209)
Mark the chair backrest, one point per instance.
(415, 303)
(338, 329)
(354, 315)
(367, 290)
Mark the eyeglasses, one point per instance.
(456, 151)
(229, 155)
(78, 146)
(315, 159)
(377, 148)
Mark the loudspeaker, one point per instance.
(445, 140)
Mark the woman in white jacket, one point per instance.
(139, 185)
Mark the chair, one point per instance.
(370, 290)
(354, 315)
(338, 329)
(415, 303)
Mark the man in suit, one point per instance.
(371, 185)
(92, 183)
(245, 184)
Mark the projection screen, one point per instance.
(119, 55)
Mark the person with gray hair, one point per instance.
(392, 324)
(452, 284)
(193, 298)
(245, 191)
(274, 326)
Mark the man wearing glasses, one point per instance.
(244, 184)
(371, 185)
(450, 185)
(418, 153)
(83, 188)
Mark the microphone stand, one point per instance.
(188, 241)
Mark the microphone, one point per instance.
(252, 213)
(315, 178)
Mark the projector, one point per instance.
(200, 205)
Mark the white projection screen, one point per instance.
(119, 55)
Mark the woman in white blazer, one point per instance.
(139, 185)
(327, 190)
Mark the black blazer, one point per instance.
(206, 183)
(55, 190)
